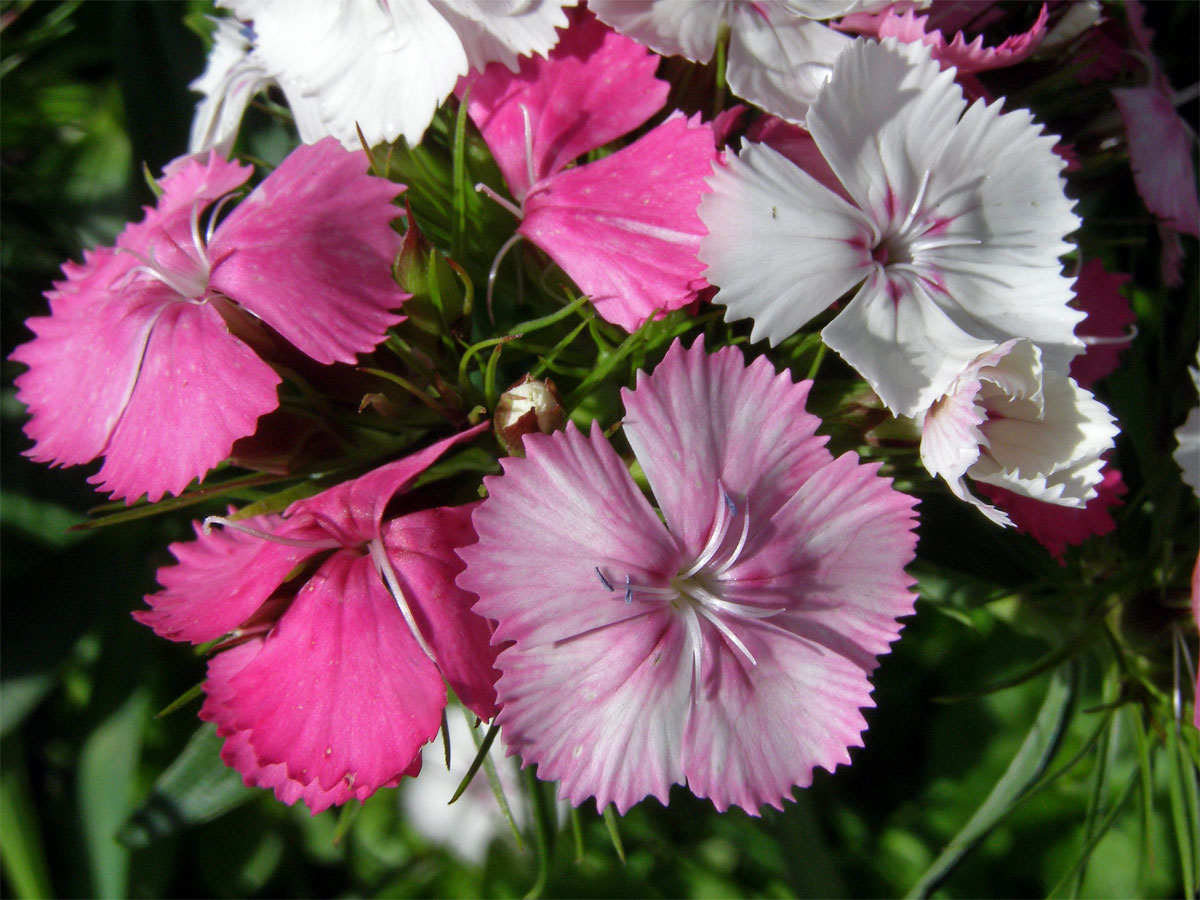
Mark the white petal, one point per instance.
(899, 339)
(232, 76)
(781, 63)
(882, 121)
(498, 31)
(1053, 457)
(671, 27)
(780, 245)
(1187, 454)
(384, 69)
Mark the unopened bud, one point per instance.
(528, 406)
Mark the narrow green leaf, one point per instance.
(546, 321)
(1097, 835)
(21, 852)
(107, 781)
(1179, 771)
(541, 812)
(458, 167)
(477, 761)
(345, 820)
(491, 393)
(1035, 752)
(181, 701)
(197, 787)
(577, 835)
(47, 523)
(191, 498)
(614, 832)
(547, 360)
(1146, 773)
(493, 777)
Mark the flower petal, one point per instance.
(310, 252)
(340, 692)
(595, 87)
(566, 510)
(695, 434)
(1106, 330)
(500, 32)
(625, 227)
(780, 246)
(421, 548)
(670, 27)
(1160, 154)
(220, 579)
(232, 75)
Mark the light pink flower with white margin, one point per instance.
(623, 227)
(952, 241)
(1007, 420)
(341, 631)
(380, 65)
(136, 362)
(729, 647)
(779, 54)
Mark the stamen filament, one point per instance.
(725, 513)
(326, 544)
(482, 188)
(384, 566)
(741, 544)
(725, 630)
(528, 145)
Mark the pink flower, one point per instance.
(333, 677)
(624, 227)
(1057, 527)
(905, 25)
(1106, 330)
(136, 361)
(729, 647)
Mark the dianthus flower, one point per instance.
(623, 227)
(136, 361)
(726, 644)
(339, 629)
(779, 53)
(952, 234)
(382, 67)
(1008, 421)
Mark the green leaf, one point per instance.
(107, 780)
(614, 832)
(1035, 752)
(21, 853)
(195, 788)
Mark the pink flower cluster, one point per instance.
(715, 625)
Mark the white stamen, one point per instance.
(725, 630)
(528, 145)
(504, 248)
(327, 544)
(691, 622)
(482, 188)
(916, 204)
(189, 289)
(384, 566)
(741, 544)
(921, 245)
(717, 537)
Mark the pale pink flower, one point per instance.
(951, 243)
(623, 227)
(341, 631)
(137, 363)
(1008, 421)
(382, 67)
(728, 643)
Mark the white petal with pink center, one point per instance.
(957, 224)
(1009, 421)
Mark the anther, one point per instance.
(604, 581)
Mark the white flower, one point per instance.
(380, 65)
(1010, 422)
(778, 55)
(952, 233)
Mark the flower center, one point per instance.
(699, 590)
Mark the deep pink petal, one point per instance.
(421, 548)
(1057, 527)
(694, 434)
(625, 227)
(1160, 154)
(220, 579)
(595, 87)
(1109, 317)
(198, 390)
(353, 509)
(239, 754)
(340, 692)
(310, 252)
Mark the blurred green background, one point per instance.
(1073, 780)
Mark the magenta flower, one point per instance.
(729, 647)
(624, 227)
(136, 361)
(1106, 331)
(335, 677)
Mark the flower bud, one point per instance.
(528, 406)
